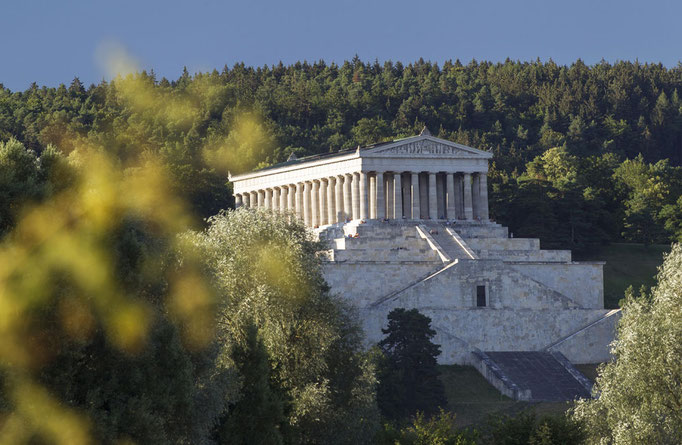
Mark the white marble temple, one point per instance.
(417, 178)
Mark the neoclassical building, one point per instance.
(417, 178)
(406, 225)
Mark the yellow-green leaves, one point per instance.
(639, 392)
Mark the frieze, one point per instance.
(427, 148)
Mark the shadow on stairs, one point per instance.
(533, 375)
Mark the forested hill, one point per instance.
(566, 139)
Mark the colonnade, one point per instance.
(378, 195)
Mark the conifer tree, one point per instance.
(258, 414)
(408, 375)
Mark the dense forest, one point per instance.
(135, 309)
(583, 154)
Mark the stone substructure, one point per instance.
(407, 222)
(482, 290)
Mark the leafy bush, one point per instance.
(423, 430)
(526, 428)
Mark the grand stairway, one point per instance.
(448, 239)
(533, 375)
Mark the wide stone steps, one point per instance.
(533, 375)
(447, 242)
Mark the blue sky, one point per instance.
(51, 41)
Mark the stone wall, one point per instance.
(460, 331)
(581, 282)
(587, 345)
(455, 288)
(534, 298)
(364, 283)
(503, 243)
(470, 230)
(553, 256)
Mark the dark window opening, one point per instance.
(480, 296)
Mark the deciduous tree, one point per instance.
(268, 275)
(639, 398)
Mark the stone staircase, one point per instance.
(443, 235)
(533, 375)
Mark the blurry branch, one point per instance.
(246, 147)
(60, 281)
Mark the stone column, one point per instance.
(459, 205)
(475, 195)
(381, 196)
(441, 195)
(338, 199)
(389, 193)
(253, 199)
(348, 196)
(415, 196)
(407, 196)
(261, 199)
(433, 204)
(307, 204)
(363, 195)
(283, 192)
(322, 202)
(372, 201)
(268, 199)
(331, 200)
(315, 204)
(483, 197)
(246, 198)
(237, 200)
(450, 186)
(291, 199)
(397, 196)
(275, 199)
(324, 185)
(468, 208)
(356, 196)
(298, 187)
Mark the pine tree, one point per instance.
(408, 374)
(259, 413)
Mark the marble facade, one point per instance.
(419, 178)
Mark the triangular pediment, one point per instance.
(425, 146)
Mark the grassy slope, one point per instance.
(626, 264)
(473, 399)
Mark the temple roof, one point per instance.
(412, 146)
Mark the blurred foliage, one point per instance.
(94, 309)
(120, 324)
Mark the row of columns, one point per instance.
(378, 195)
